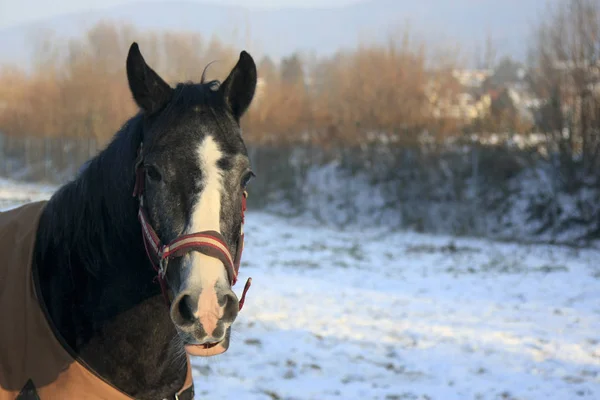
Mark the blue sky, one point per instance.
(13, 12)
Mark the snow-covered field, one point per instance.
(369, 314)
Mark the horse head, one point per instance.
(191, 176)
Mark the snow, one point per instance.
(489, 191)
(14, 193)
(376, 314)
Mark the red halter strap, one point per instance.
(210, 243)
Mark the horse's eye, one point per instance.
(246, 179)
(153, 173)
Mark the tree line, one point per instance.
(391, 92)
(79, 88)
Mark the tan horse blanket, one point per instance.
(33, 363)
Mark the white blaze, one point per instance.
(206, 215)
(207, 211)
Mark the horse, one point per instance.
(134, 259)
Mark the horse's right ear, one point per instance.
(149, 90)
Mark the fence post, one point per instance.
(46, 158)
(475, 192)
(91, 147)
(3, 156)
(8, 161)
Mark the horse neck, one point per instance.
(97, 282)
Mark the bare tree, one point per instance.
(490, 52)
(566, 72)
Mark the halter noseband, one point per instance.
(210, 243)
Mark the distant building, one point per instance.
(471, 78)
(465, 106)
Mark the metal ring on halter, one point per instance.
(162, 266)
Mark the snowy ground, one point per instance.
(13, 194)
(376, 315)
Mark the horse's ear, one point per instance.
(238, 89)
(149, 90)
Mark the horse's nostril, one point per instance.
(226, 299)
(230, 307)
(185, 311)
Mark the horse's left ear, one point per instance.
(149, 90)
(238, 89)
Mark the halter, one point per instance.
(210, 243)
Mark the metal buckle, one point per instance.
(162, 266)
(176, 397)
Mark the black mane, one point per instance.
(102, 193)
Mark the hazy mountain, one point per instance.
(279, 32)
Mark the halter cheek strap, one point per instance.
(210, 243)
